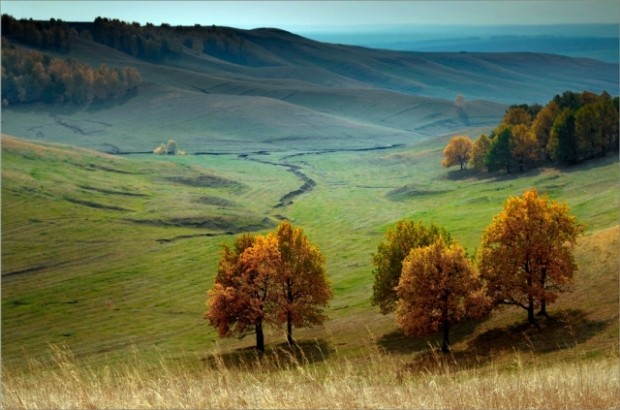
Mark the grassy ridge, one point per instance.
(108, 254)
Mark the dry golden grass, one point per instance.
(287, 381)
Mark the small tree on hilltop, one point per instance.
(526, 255)
(458, 152)
(388, 261)
(459, 101)
(439, 287)
(171, 147)
(160, 150)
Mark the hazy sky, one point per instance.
(294, 15)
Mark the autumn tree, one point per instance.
(458, 152)
(459, 101)
(275, 279)
(517, 115)
(526, 255)
(479, 152)
(301, 285)
(171, 147)
(388, 261)
(439, 287)
(524, 146)
(238, 302)
(541, 128)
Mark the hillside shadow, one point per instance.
(593, 163)
(397, 342)
(108, 103)
(499, 176)
(564, 330)
(275, 357)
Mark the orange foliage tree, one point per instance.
(479, 152)
(439, 287)
(301, 285)
(526, 255)
(238, 302)
(458, 152)
(278, 278)
(388, 261)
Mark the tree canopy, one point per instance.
(526, 255)
(388, 261)
(278, 279)
(571, 128)
(31, 76)
(439, 287)
(458, 152)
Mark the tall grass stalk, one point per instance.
(287, 380)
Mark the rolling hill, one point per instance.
(111, 255)
(267, 89)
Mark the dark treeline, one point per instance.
(156, 43)
(31, 76)
(53, 34)
(571, 128)
(148, 42)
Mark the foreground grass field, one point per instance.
(287, 379)
(111, 257)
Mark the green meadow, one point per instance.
(111, 256)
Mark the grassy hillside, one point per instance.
(108, 255)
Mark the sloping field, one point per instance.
(107, 254)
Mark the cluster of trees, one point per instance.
(277, 279)
(170, 148)
(525, 259)
(570, 129)
(31, 76)
(53, 34)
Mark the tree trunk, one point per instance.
(543, 309)
(445, 346)
(543, 302)
(530, 310)
(289, 329)
(260, 337)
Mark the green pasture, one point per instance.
(113, 255)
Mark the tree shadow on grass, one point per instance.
(397, 342)
(276, 357)
(564, 330)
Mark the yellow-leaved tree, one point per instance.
(275, 279)
(458, 152)
(239, 301)
(526, 255)
(388, 261)
(439, 287)
(302, 288)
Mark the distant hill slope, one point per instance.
(267, 89)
